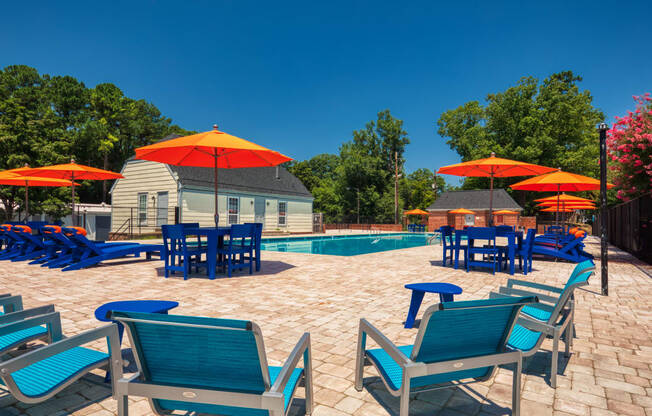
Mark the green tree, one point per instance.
(550, 123)
(417, 191)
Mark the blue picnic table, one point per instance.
(445, 290)
(514, 242)
(214, 239)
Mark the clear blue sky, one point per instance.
(299, 77)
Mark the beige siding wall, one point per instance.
(142, 177)
(197, 206)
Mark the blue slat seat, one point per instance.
(20, 337)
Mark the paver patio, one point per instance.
(608, 373)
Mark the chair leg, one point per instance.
(516, 388)
(555, 359)
(123, 405)
(359, 360)
(404, 406)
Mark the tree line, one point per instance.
(46, 119)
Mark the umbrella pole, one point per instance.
(26, 201)
(491, 199)
(217, 213)
(74, 221)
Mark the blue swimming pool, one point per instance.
(348, 245)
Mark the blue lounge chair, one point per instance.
(552, 317)
(456, 341)
(92, 253)
(209, 365)
(40, 374)
(490, 253)
(23, 326)
(571, 250)
(33, 246)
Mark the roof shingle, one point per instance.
(474, 199)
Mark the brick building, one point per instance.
(476, 201)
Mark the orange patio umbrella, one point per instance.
(71, 171)
(563, 197)
(505, 212)
(215, 149)
(461, 211)
(559, 181)
(13, 177)
(494, 167)
(416, 212)
(557, 209)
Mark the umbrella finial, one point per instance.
(493, 154)
(215, 127)
(72, 160)
(26, 165)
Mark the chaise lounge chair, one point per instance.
(10, 303)
(90, 253)
(571, 250)
(23, 326)
(456, 341)
(208, 365)
(552, 317)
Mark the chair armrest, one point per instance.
(517, 282)
(367, 329)
(11, 303)
(107, 331)
(18, 316)
(520, 292)
(302, 349)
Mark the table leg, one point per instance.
(446, 297)
(456, 249)
(211, 255)
(415, 304)
(512, 253)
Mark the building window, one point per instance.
(469, 219)
(142, 209)
(500, 219)
(282, 213)
(234, 210)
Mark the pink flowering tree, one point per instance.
(629, 147)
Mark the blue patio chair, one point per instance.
(33, 247)
(26, 325)
(10, 303)
(448, 244)
(553, 317)
(572, 250)
(238, 251)
(504, 228)
(209, 365)
(91, 253)
(38, 375)
(181, 257)
(490, 252)
(524, 253)
(258, 234)
(456, 341)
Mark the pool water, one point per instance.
(348, 245)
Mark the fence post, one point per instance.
(603, 209)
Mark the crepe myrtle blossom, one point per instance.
(629, 148)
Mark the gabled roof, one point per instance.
(474, 199)
(268, 180)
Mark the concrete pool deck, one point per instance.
(609, 372)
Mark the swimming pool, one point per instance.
(347, 245)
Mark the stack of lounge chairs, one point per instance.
(567, 245)
(63, 247)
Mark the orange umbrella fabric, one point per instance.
(559, 181)
(494, 167)
(71, 171)
(215, 149)
(555, 209)
(461, 211)
(563, 197)
(505, 212)
(12, 177)
(565, 204)
(416, 212)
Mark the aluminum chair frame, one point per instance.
(412, 369)
(10, 303)
(110, 332)
(271, 400)
(29, 318)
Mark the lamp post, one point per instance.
(602, 128)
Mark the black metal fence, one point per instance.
(137, 222)
(629, 227)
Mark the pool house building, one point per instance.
(476, 201)
(152, 194)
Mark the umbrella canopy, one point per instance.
(505, 212)
(565, 204)
(494, 167)
(416, 212)
(71, 171)
(563, 197)
(557, 209)
(215, 149)
(461, 211)
(12, 177)
(559, 181)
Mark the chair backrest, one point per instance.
(455, 330)
(209, 353)
(242, 231)
(579, 277)
(481, 233)
(503, 228)
(189, 224)
(446, 235)
(258, 231)
(528, 242)
(78, 236)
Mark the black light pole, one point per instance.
(602, 128)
